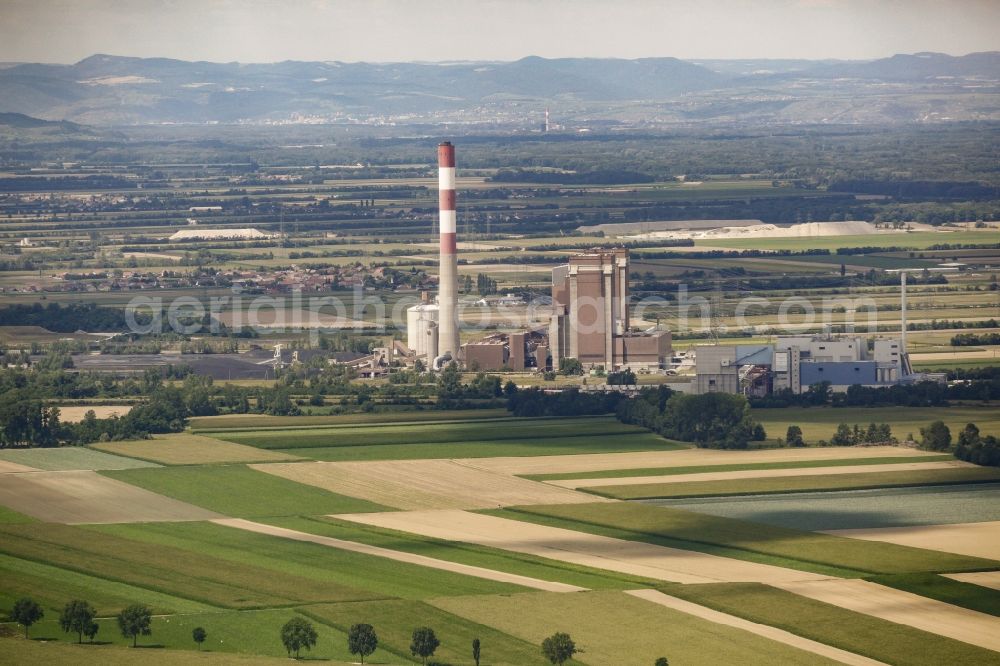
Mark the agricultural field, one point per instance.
(189, 449)
(821, 424)
(944, 474)
(69, 458)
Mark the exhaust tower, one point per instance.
(448, 341)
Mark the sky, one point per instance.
(65, 31)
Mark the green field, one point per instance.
(549, 446)
(465, 553)
(8, 516)
(662, 471)
(394, 622)
(70, 457)
(797, 549)
(821, 422)
(167, 568)
(366, 577)
(52, 586)
(437, 433)
(615, 628)
(18, 651)
(799, 484)
(241, 492)
(863, 634)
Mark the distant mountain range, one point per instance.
(110, 90)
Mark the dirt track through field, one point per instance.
(83, 497)
(975, 539)
(989, 579)
(901, 607)
(755, 474)
(596, 462)
(424, 484)
(399, 556)
(630, 557)
(763, 630)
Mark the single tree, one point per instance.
(134, 621)
(794, 436)
(91, 631)
(26, 612)
(936, 436)
(423, 643)
(198, 635)
(77, 617)
(558, 648)
(475, 650)
(362, 640)
(298, 633)
(661, 661)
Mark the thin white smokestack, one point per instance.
(448, 274)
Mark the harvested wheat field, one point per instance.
(755, 474)
(901, 607)
(630, 557)
(75, 413)
(596, 462)
(424, 484)
(990, 579)
(399, 556)
(81, 497)
(763, 630)
(187, 449)
(975, 539)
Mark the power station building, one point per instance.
(590, 316)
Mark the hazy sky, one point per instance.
(400, 30)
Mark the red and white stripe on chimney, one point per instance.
(448, 275)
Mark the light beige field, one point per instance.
(901, 607)
(974, 539)
(630, 557)
(755, 474)
(763, 630)
(399, 556)
(81, 497)
(75, 413)
(424, 484)
(187, 449)
(989, 579)
(596, 462)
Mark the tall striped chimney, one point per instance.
(448, 273)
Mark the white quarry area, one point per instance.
(804, 230)
(216, 234)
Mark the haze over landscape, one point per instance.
(522, 333)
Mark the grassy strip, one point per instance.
(543, 446)
(464, 553)
(966, 595)
(186, 573)
(238, 491)
(401, 416)
(51, 653)
(70, 457)
(428, 433)
(52, 587)
(322, 566)
(698, 469)
(807, 551)
(797, 484)
(394, 622)
(862, 634)
(615, 628)
(240, 632)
